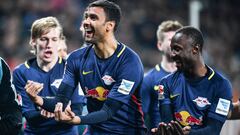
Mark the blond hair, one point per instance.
(167, 26)
(43, 25)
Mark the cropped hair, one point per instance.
(112, 10)
(193, 33)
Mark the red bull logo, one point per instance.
(99, 93)
(185, 119)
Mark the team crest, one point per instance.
(108, 80)
(160, 89)
(56, 83)
(201, 102)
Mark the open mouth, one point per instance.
(48, 53)
(89, 32)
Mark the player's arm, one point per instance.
(154, 110)
(150, 101)
(77, 102)
(218, 110)
(165, 105)
(145, 95)
(166, 113)
(63, 95)
(235, 112)
(33, 117)
(212, 126)
(109, 108)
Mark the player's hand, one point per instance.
(46, 114)
(32, 89)
(67, 116)
(172, 128)
(160, 130)
(176, 128)
(186, 130)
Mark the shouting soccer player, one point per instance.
(46, 68)
(109, 72)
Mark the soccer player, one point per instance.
(109, 72)
(198, 96)
(165, 32)
(10, 113)
(46, 68)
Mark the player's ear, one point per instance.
(196, 49)
(159, 46)
(110, 26)
(33, 46)
(32, 42)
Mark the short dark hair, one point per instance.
(112, 10)
(194, 34)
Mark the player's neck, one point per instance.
(201, 69)
(167, 65)
(106, 48)
(46, 66)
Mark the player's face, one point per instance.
(94, 24)
(46, 46)
(181, 52)
(164, 45)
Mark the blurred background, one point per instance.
(217, 19)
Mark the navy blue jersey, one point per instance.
(117, 77)
(36, 124)
(193, 100)
(150, 96)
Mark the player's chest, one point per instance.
(51, 80)
(193, 96)
(100, 72)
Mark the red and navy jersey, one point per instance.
(195, 100)
(51, 80)
(117, 77)
(149, 95)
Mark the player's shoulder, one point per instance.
(172, 78)
(153, 71)
(127, 51)
(79, 53)
(24, 66)
(127, 54)
(216, 76)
